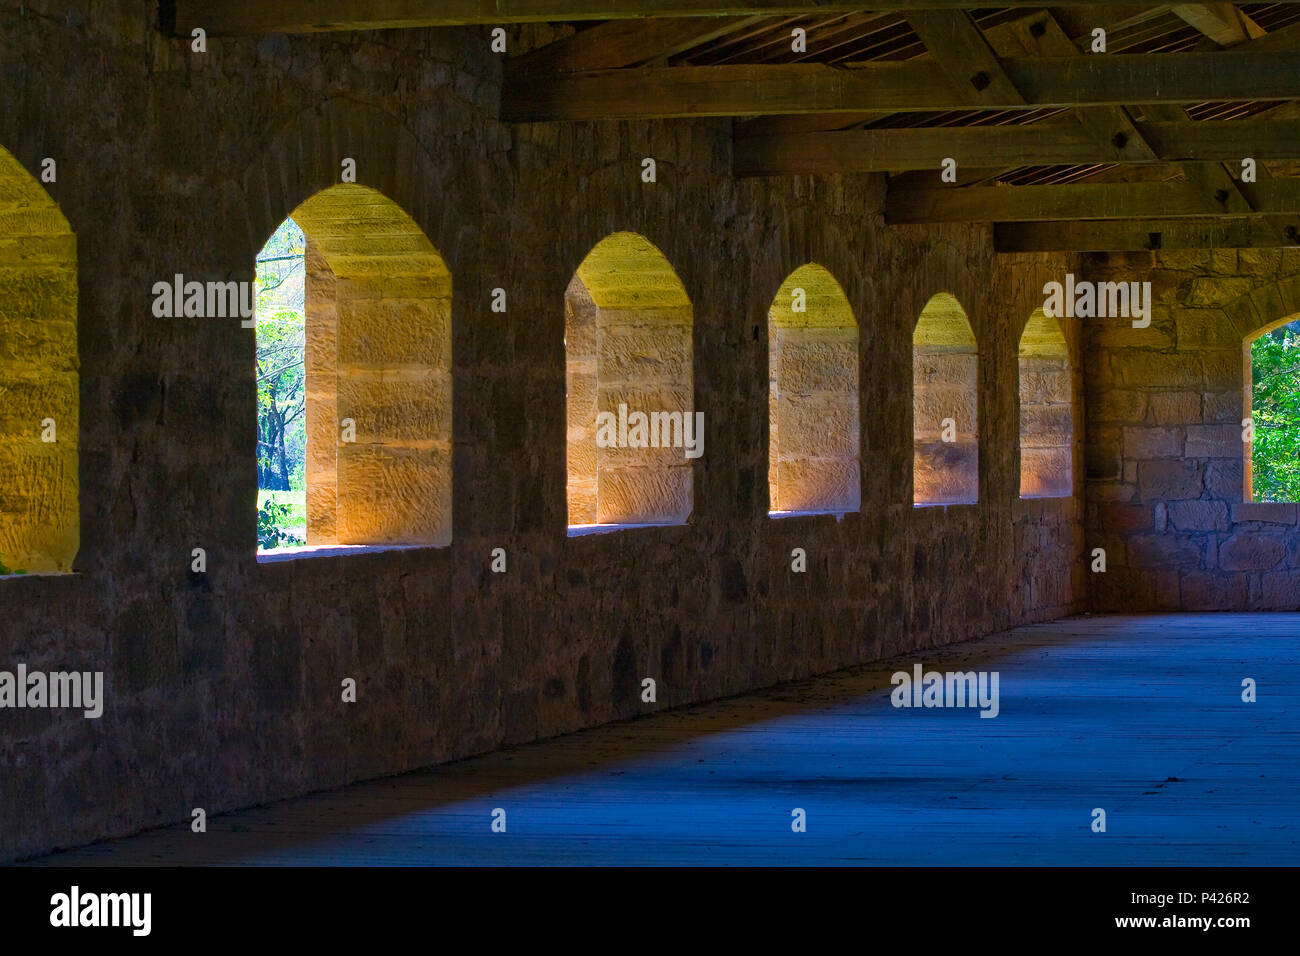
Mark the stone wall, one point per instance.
(813, 392)
(223, 687)
(580, 403)
(1046, 410)
(378, 320)
(945, 405)
(1165, 448)
(642, 361)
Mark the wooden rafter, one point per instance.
(1066, 142)
(964, 55)
(1206, 196)
(1223, 23)
(911, 86)
(1137, 235)
(619, 43)
(245, 17)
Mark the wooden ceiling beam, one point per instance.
(1163, 200)
(963, 54)
(1064, 143)
(1110, 125)
(911, 86)
(256, 17)
(1006, 39)
(619, 43)
(1223, 23)
(1139, 235)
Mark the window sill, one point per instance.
(276, 555)
(582, 530)
(837, 515)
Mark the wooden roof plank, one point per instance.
(1139, 235)
(254, 17)
(911, 86)
(1164, 200)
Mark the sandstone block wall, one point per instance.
(39, 408)
(378, 331)
(945, 405)
(813, 419)
(580, 402)
(639, 362)
(321, 372)
(1046, 410)
(1165, 451)
(223, 688)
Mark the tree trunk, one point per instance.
(284, 462)
(277, 475)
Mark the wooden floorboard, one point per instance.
(1141, 716)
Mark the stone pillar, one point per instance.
(817, 419)
(644, 362)
(580, 402)
(945, 382)
(322, 422)
(386, 324)
(1046, 411)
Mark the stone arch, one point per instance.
(945, 405)
(1046, 410)
(304, 156)
(1256, 312)
(377, 354)
(39, 369)
(1250, 316)
(813, 421)
(628, 349)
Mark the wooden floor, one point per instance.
(1141, 716)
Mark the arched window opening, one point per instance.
(632, 432)
(354, 378)
(945, 375)
(1272, 405)
(1046, 410)
(281, 389)
(813, 424)
(39, 390)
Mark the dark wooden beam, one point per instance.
(963, 54)
(897, 86)
(1221, 22)
(1111, 126)
(1035, 34)
(245, 17)
(1065, 143)
(618, 43)
(895, 150)
(1162, 200)
(1132, 235)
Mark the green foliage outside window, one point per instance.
(1275, 408)
(281, 385)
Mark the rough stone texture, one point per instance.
(945, 405)
(321, 407)
(38, 377)
(580, 402)
(628, 354)
(813, 416)
(1167, 467)
(223, 688)
(378, 331)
